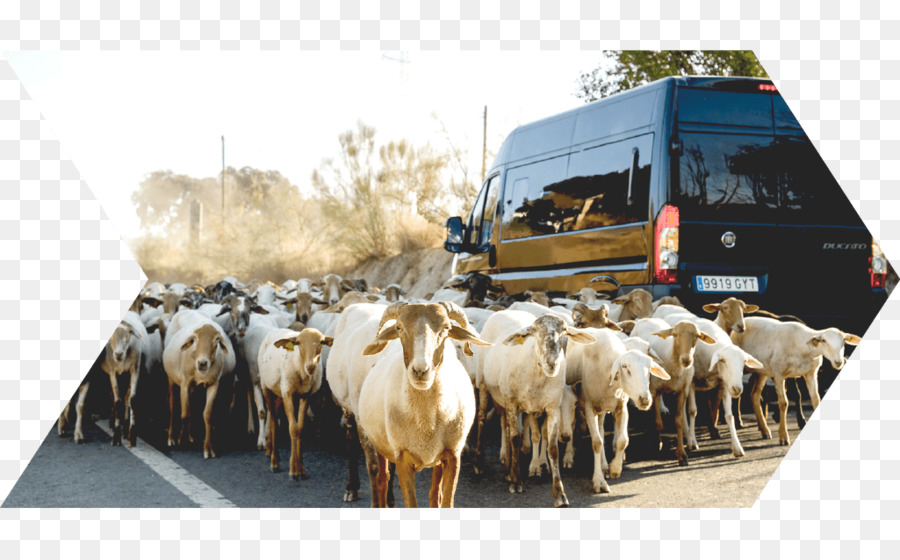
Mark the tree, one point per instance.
(623, 70)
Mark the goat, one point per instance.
(416, 406)
(289, 366)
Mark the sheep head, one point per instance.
(203, 347)
(632, 370)
(308, 344)
(585, 317)
(238, 309)
(551, 336)
(830, 344)
(731, 314)
(422, 330)
(636, 304)
(729, 363)
(685, 336)
(118, 345)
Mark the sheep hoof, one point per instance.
(515, 488)
(801, 423)
(784, 442)
(738, 453)
(304, 476)
(615, 473)
(295, 477)
(714, 434)
(351, 495)
(562, 501)
(603, 488)
(568, 463)
(78, 438)
(535, 471)
(694, 446)
(275, 469)
(683, 461)
(767, 436)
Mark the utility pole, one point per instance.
(484, 147)
(223, 177)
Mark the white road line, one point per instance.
(195, 489)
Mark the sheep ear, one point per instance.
(188, 344)
(152, 302)
(152, 328)
(752, 362)
(706, 338)
(372, 298)
(327, 341)
(259, 309)
(225, 309)
(467, 336)
(626, 326)
(711, 307)
(286, 343)
(750, 308)
(347, 285)
(222, 346)
(659, 372)
(714, 363)
(518, 337)
(851, 339)
(319, 302)
(579, 337)
(665, 334)
(613, 327)
(381, 342)
(652, 353)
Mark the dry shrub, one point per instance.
(413, 232)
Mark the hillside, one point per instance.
(418, 272)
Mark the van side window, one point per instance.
(481, 220)
(600, 186)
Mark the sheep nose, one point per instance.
(644, 403)
(564, 438)
(202, 365)
(311, 369)
(739, 328)
(419, 372)
(333, 301)
(119, 356)
(304, 318)
(686, 362)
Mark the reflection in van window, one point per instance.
(595, 192)
(746, 178)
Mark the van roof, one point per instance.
(629, 112)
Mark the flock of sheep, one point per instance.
(462, 355)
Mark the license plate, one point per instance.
(726, 284)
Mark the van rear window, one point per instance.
(755, 178)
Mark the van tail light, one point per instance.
(877, 266)
(666, 245)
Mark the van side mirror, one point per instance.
(453, 241)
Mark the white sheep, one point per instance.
(521, 373)
(789, 349)
(611, 375)
(126, 353)
(417, 405)
(289, 366)
(197, 353)
(248, 349)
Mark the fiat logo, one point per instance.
(728, 239)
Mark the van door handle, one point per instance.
(632, 171)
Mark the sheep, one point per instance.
(125, 354)
(416, 406)
(636, 304)
(675, 346)
(345, 370)
(719, 366)
(537, 297)
(522, 374)
(198, 352)
(451, 295)
(289, 366)
(789, 350)
(394, 293)
(303, 305)
(265, 294)
(77, 434)
(334, 287)
(583, 317)
(538, 309)
(666, 300)
(248, 348)
(611, 374)
(236, 309)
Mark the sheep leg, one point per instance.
(759, 382)
(621, 441)
(271, 444)
(569, 455)
(692, 419)
(526, 433)
(534, 469)
(601, 423)
(542, 456)
(812, 385)
(449, 478)
(559, 492)
(406, 475)
(261, 414)
(736, 409)
(797, 399)
(435, 494)
(513, 437)
(373, 466)
(132, 392)
(63, 420)
(680, 452)
(783, 437)
(713, 404)
(598, 483)
(251, 421)
(78, 435)
(207, 417)
(504, 435)
(295, 426)
(736, 448)
(382, 481)
(118, 410)
(171, 440)
(483, 399)
(351, 492)
(659, 422)
(185, 414)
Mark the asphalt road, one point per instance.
(95, 474)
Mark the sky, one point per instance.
(121, 116)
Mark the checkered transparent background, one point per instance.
(66, 277)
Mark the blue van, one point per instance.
(697, 187)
